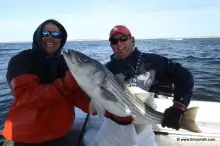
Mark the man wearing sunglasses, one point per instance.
(44, 91)
(149, 72)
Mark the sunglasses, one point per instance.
(54, 34)
(123, 38)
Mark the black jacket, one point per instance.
(36, 61)
(154, 71)
(44, 91)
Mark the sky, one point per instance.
(93, 19)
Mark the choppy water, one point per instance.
(201, 56)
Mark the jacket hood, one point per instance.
(37, 41)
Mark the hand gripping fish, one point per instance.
(113, 95)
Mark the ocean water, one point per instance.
(200, 56)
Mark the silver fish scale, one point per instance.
(119, 90)
(110, 86)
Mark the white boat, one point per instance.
(207, 119)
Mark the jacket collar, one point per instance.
(131, 57)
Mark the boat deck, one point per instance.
(208, 120)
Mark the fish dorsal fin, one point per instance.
(120, 77)
(120, 80)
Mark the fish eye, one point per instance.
(84, 59)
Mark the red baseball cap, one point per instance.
(119, 29)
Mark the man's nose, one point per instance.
(120, 43)
(50, 36)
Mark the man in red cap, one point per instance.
(122, 37)
(152, 73)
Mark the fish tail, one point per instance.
(188, 122)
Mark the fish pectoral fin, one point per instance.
(97, 107)
(120, 77)
(108, 95)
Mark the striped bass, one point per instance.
(109, 92)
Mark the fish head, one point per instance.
(94, 79)
(88, 72)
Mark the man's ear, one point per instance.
(133, 40)
(111, 45)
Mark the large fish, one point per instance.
(110, 92)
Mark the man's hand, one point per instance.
(173, 116)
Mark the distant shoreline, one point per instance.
(90, 40)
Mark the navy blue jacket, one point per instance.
(155, 70)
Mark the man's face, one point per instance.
(51, 38)
(122, 45)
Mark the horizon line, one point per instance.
(89, 40)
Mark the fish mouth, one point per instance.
(64, 53)
(67, 54)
